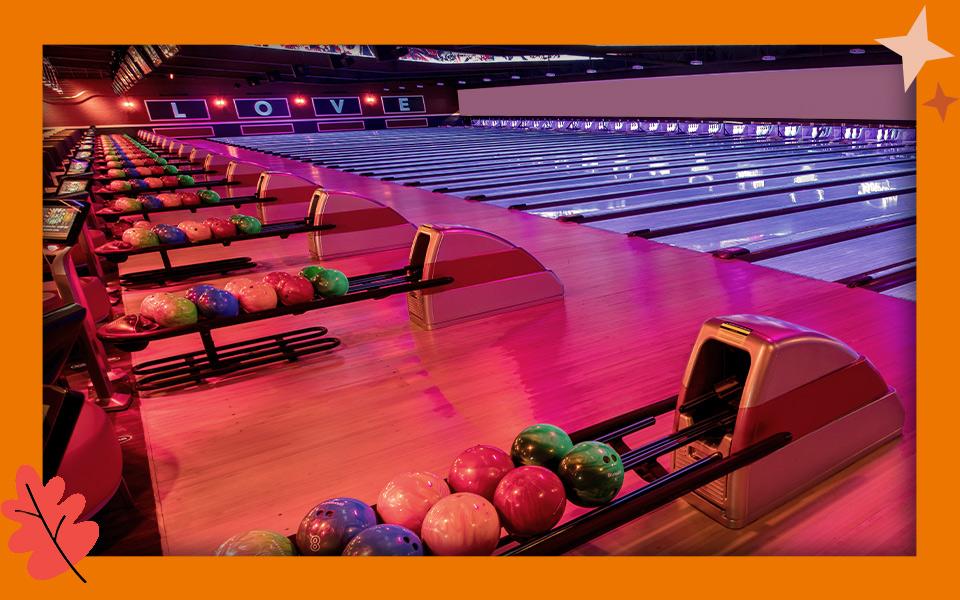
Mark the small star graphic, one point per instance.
(940, 101)
(915, 49)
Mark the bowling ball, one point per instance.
(193, 293)
(295, 290)
(150, 304)
(592, 474)
(257, 543)
(116, 173)
(330, 525)
(113, 165)
(331, 283)
(195, 230)
(208, 196)
(189, 198)
(130, 172)
(311, 273)
(168, 234)
(221, 228)
(479, 470)
(170, 200)
(543, 445)
(176, 312)
(152, 202)
(156, 171)
(139, 237)
(275, 278)
(119, 185)
(185, 180)
(247, 225)
(141, 170)
(154, 182)
(258, 297)
(170, 170)
(170, 181)
(127, 204)
(407, 498)
(385, 540)
(218, 304)
(161, 161)
(462, 524)
(530, 500)
(141, 224)
(235, 285)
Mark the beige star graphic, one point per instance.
(940, 101)
(914, 48)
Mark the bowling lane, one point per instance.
(760, 234)
(698, 174)
(851, 257)
(626, 199)
(661, 221)
(907, 291)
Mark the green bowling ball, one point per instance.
(541, 445)
(592, 474)
(331, 283)
(257, 543)
(170, 170)
(311, 273)
(208, 196)
(161, 161)
(176, 312)
(247, 225)
(185, 180)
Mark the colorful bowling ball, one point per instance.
(407, 498)
(257, 543)
(530, 500)
(258, 297)
(331, 283)
(139, 184)
(141, 170)
(592, 474)
(170, 170)
(116, 173)
(275, 278)
(189, 198)
(330, 525)
(141, 224)
(311, 273)
(151, 302)
(130, 172)
(119, 185)
(193, 293)
(221, 228)
(195, 231)
(462, 524)
(168, 234)
(161, 161)
(139, 237)
(176, 312)
(113, 165)
(208, 196)
(170, 181)
(479, 470)
(127, 204)
(385, 540)
(246, 224)
(235, 285)
(218, 304)
(156, 171)
(542, 445)
(185, 180)
(152, 202)
(154, 182)
(295, 290)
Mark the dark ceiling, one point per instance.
(253, 65)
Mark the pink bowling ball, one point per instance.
(461, 524)
(195, 230)
(479, 470)
(407, 498)
(257, 297)
(530, 500)
(235, 285)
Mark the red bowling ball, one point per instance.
(221, 228)
(275, 278)
(530, 500)
(295, 290)
(479, 469)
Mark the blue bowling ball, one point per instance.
(385, 540)
(151, 202)
(193, 293)
(218, 304)
(330, 525)
(169, 234)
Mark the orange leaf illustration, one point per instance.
(48, 527)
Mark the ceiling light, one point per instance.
(550, 74)
(591, 71)
(514, 77)
(637, 67)
(768, 57)
(487, 79)
(696, 63)
(857, 51)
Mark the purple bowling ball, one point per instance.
(193, 294)
(169, 234)
(218, 304)
(385, 540)
(330, 525)
(151, 202)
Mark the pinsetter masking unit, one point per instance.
(490, 275)
(770, 376)
(361, 225)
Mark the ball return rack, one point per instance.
(236, 202)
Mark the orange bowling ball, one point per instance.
(407, 498)
(461, 524)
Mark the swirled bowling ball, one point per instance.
(142, 171)
(176, 312)
(154, 182)
(156, 171)
(275, 278)
(462, 524)
(385, 540)
(330, 525)
(235, 285)
(151, 302)
(311, 272)
(170, 170)
(530, 500)
(478, 470)
(331, 283)
(257, 543)
(195, 230)
(407, 498)
(151, 202)
(221, 228)
(127, 204)
(592, 474)
(185, 180)
(257, 297)
(169, 234)
(208, 196)
(295, 290)
(119, 185)
(139, 237)
(116, 173)
(161, 161)
(170, 200)
(193, 293)
(540, 445)
(189, 198)
(218, 304)
(170, 181)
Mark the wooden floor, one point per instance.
(258, 450)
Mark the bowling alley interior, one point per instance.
(486, 300)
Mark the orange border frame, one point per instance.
(617, 22)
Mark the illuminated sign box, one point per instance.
(334, 106)
(397, 105)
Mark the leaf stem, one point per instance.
(53, 538)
